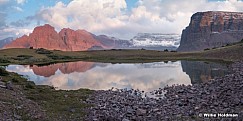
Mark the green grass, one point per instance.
(58, 104)
(32, 56)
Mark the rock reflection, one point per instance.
(202, 72)
(65, 68)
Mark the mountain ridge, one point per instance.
(66, 40)
(6, 41)
(81, 40)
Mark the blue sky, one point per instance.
(131, 3)
(119, 18)
(30, 7)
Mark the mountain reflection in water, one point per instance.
(202, 72)
(65, 68)
(102, 76)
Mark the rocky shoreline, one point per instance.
(220, 98)
(15, 106)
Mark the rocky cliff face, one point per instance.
(112, 42)
(66, 40)
(212, 29)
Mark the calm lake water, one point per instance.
(103, 76)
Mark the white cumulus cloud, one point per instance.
(112, 17)
(18, 9)
(12, 31)
(20, 1)
(93, 15)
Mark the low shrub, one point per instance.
(57, 57)
(3, 72)
(15, 80)
(30, 85)
(206, 49)
(43, 51)
(173, 51)
(4, 60)
(25, 56)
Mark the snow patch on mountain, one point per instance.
(156, 39)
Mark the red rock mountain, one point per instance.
(212, 29)
(66, 40)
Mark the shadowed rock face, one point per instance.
(65, 68)
(112, 42)
(105, 40)
(66, 40)
(212, 29)
(202, 72)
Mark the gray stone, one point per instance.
(9, 85)
(130, 111)
(72, 110)
(140, 112)
(196, 108)
(17, 116)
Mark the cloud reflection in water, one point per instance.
(100, 76)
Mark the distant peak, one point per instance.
(103, 35)
(47, 25)
(44, 28)
(66, 30)
(9, 38)
(83, 31)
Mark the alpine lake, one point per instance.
(104, 76)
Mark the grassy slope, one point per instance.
(57, 104)
(229, 53)
(14, 56)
